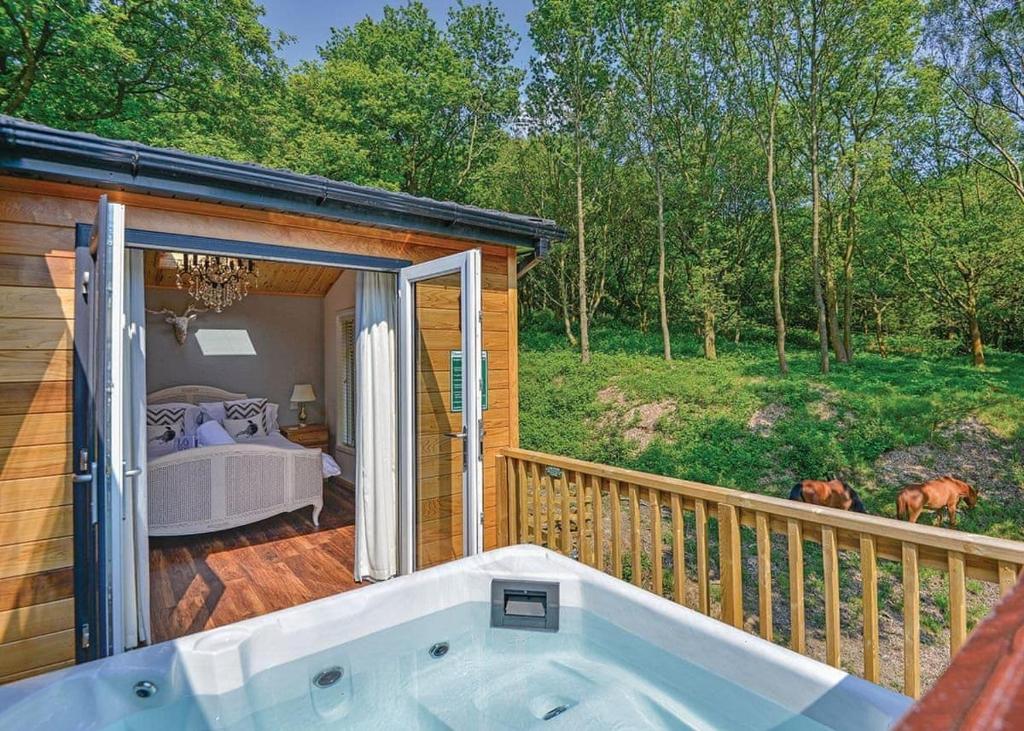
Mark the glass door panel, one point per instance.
(439, 336)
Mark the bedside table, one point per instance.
(310, 435)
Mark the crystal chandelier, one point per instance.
(216, 281)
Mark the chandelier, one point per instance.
(216, 281)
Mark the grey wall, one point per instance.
(286, 333)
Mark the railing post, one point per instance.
(636, 557)
(957, 601)
(730, 565)
(764, 574)
(678, 550)
(503, 505)
(615, 505)
(657, 550)
(598, 531)
(830, 560)
(911, 622)
(795, 537)
(700, 517)
(869, 601)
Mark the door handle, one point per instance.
(133, 473)
(456, 434)
(80, 479)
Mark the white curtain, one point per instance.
(376, 431)
(135, 524)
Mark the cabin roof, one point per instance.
(37, 151)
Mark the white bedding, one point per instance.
(277, 439)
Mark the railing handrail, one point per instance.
(970, 544)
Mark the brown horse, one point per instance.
(941, 492)
(829, 493)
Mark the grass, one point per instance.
(835, 425)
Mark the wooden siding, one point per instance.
(37, 272)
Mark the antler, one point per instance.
(193, 311)
(163, 311)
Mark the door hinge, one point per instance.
(85, 637)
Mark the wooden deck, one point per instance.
(206, 581)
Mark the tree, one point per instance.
(402, 104)
(811, 68)
(639, 36)
(747, 32)
(567, 94)
(163, 71)
(979, 45)
(957, 243)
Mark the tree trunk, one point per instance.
(977, 346)
(564, 298)
(582, 248)
(832, 305)
(710, 350)
(851, 241)
(819, 297)
(780, 320)
(883, 350)
(662, 300)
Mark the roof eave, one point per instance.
(41, 152)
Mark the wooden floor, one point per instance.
(200, 582)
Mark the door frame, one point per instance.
(94, 630)
(467, 265)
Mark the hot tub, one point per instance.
(420, 652)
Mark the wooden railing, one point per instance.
(612, 519)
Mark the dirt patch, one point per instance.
(643, 420)
(763, 421)
(637, 422)
(966, 449)
(827, 406)
(612, 395)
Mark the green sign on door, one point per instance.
(456, 373)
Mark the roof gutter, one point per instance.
(33, 150)
(540, 251)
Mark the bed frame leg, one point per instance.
(316, 515)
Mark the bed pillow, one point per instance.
(212, 434)
(212, 411)
(157, 414)
(271, 418)
(164, 434)
(248, 408)
(244, 429)
(165, 422)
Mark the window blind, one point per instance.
(346, 381)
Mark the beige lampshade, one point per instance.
(303, 392)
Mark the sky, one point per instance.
(310, 21)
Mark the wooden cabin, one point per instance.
(93, 234)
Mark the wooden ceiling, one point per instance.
(274, 277)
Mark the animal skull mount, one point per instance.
(180, 322)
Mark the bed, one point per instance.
(208, 489)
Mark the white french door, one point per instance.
(440, 411)
(111, 570)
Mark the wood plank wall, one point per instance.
(37, 222)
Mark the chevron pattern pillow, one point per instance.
(164, 415)
(251, 409)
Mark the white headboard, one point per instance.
(192, 395)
